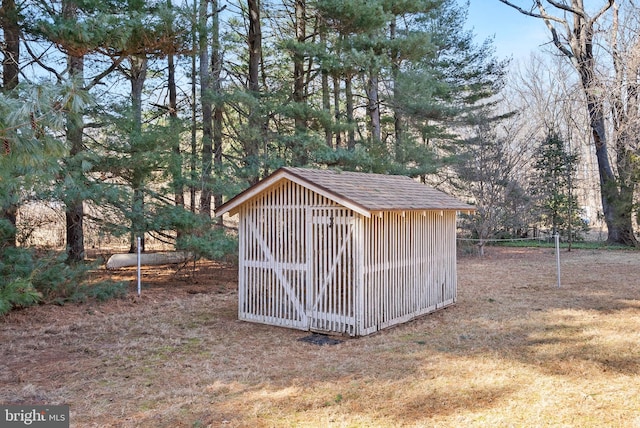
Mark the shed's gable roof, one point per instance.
(362, 192)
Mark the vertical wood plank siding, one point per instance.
(311, 264)
(409, 266)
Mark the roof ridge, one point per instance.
(366, 192)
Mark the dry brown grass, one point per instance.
(514, 351)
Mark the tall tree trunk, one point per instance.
(207, 109)
(615, 195)
(626, 122)
(298, 62)
(397, 113)
(326, 106)
(326, 93)
(176, 166)
(10, 72)
(11, 51)
(218, 110)
(348, 92)
(176, 162)
(74, 211)
(373, 108)
(193, 175)
(138, 76)
(336, 109)
(300, 157)
(253, 142)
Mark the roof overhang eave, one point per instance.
(233, 205)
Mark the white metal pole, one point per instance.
(138, 266)
(557, 236)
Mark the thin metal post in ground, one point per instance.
(557, 236)
(139, 266)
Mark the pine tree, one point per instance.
(419, 72)
(30, 120)
(553, 186)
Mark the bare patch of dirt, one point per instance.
(515, 350)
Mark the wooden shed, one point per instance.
(343, 252)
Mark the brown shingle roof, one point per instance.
(379, 192)
(367, 193)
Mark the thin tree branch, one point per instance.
(603, 10)
(37, 60)
(107, 71)
(532, 13)
(554, 32)
(575, 11)
(548, 20)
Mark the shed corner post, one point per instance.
(242, 235)
(454, 256)
(359, 275)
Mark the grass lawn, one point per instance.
(514, 351)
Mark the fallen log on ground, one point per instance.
(147, 259)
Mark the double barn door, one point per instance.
(331, 257)
(298, 269)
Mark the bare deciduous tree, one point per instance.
(549, 96)
(573, 32)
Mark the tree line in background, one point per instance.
(140, 117)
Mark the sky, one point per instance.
(515, 35)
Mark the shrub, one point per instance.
(101, 291)
(17, 293)
(33, 277)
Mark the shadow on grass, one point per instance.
(187, 361)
